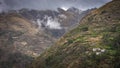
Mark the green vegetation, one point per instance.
(95, 43)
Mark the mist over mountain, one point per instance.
(50, 4)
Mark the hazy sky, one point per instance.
(51, 4)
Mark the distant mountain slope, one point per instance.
(54, 22)
(65, 19)
(95, 43)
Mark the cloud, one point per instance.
(3, 6)
(53, 23)
(48, 22)
(53, 4)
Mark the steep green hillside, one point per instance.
(95, 43)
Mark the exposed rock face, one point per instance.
(49, 20)
(95, 43)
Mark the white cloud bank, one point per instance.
(49, 22)
(53, 23)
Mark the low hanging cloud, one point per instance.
(49, 22)
(52, 4)
(53, 23)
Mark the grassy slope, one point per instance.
(98, 30)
